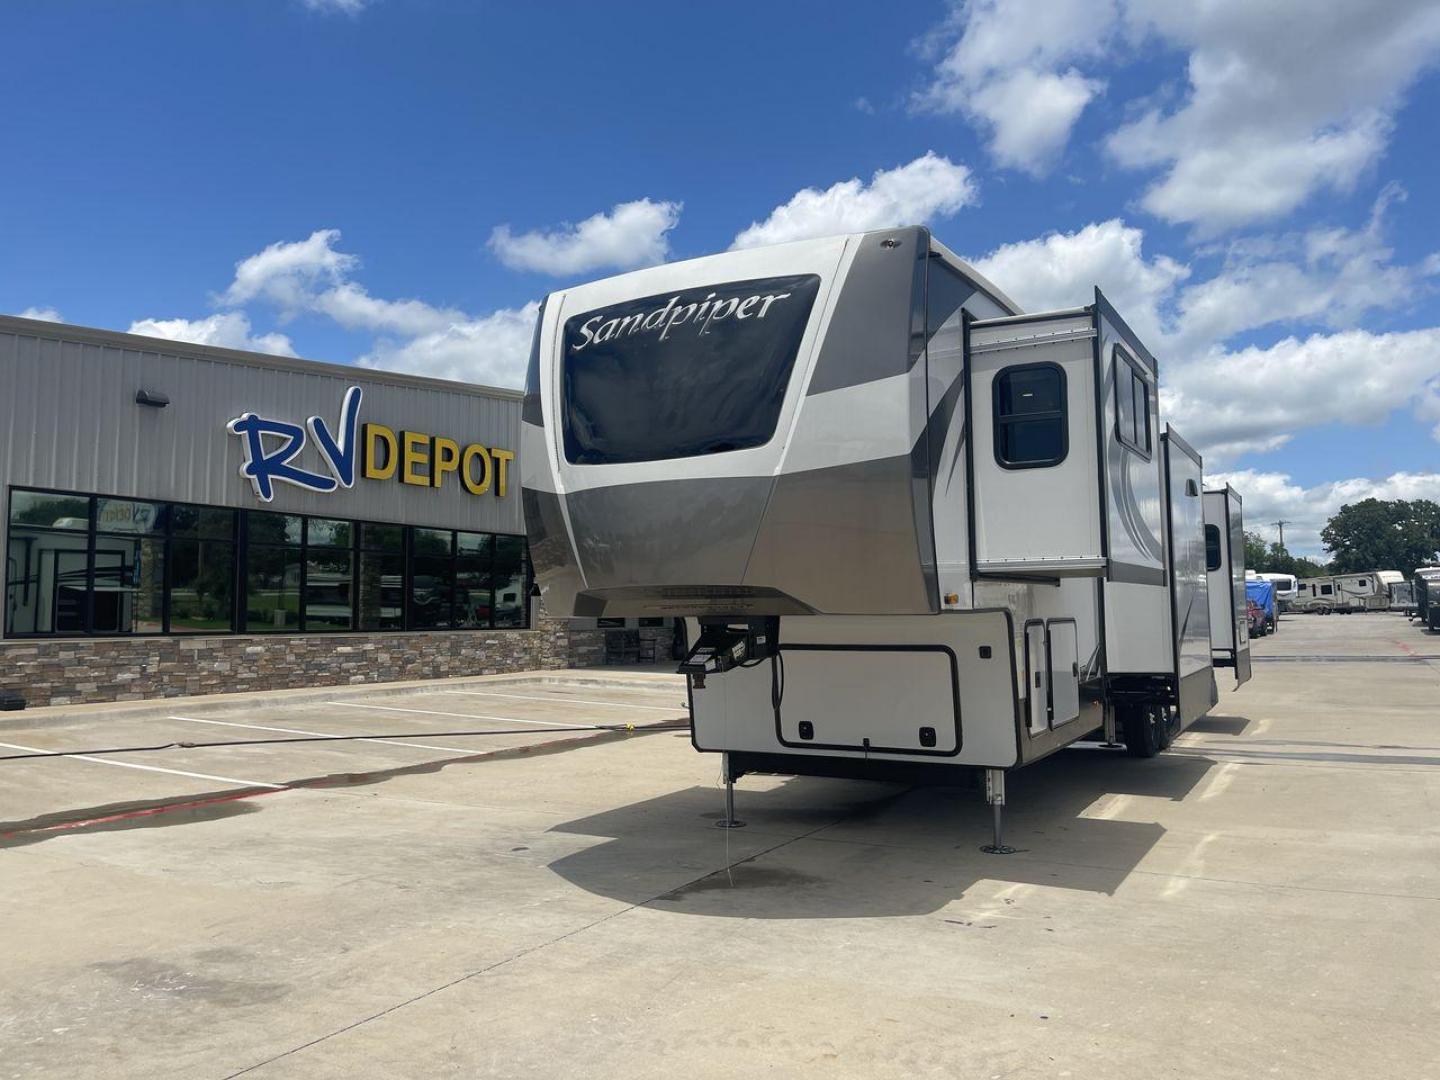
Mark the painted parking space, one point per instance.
(342, 739)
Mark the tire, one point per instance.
(1143, 728)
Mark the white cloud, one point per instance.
(632, 234)
(1286, 98)
(1274, 496)
(491, 350)
(1245, 178)
(1030, 114)
(353, 307)
(1007, 65)
(927, 188)
(337, 7)
(287, 272)
(311, 276)
(1327, 275)
(1062, 269)
(1282, 99)
(227, 330)
(44, 314)
(1253, 399)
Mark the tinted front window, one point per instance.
(699, 371)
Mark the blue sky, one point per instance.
(1251, 184)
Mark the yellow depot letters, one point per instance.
(424, 460)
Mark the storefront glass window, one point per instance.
(329, 563)
(382, 590)
(46, 575)
(511, 578)
(80, 564)
(473, 601)
(128, 595)
(49, 511)
(202, 586)
(272, 588)
(432, 578)
(129, 516)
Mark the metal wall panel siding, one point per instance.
(68, 420)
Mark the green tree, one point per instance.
(1257, 553)
(1307, 568)
(1279, 561)
(1384, 534)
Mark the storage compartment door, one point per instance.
(897, 699)
(1037, 677)
(1064, 672)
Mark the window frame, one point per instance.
(999, 421)
(1213, 565)
(1122, 359)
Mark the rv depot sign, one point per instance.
(369, 452)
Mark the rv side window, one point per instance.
(1030, 416)
(1363, 583)
(1132, 398)
(1326, 590)
(1212, 547)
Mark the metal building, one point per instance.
(180, 518)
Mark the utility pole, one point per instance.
(1281, 526)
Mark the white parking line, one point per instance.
(462, 715)
(146, 768)
(560, 700)
(322, 734)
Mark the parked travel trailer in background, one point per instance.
(1346, 593)
(1426, 583)
(1286, 588)
(913, 528)
(1388, 581)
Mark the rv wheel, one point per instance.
(1143, 727)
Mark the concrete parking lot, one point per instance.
(1262, 900)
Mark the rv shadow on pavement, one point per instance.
(829, 849)
(1220, 725)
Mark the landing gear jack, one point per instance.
(729, 821)
(1110, 743)
(995, 796)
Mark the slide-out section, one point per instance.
(1225, 576)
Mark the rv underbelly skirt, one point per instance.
(943, 689)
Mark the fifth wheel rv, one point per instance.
(914, 531)
(1346, 592)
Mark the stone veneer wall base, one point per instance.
(73, 671)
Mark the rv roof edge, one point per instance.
(1037, 316)
(968, 269)
(1175, 437)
